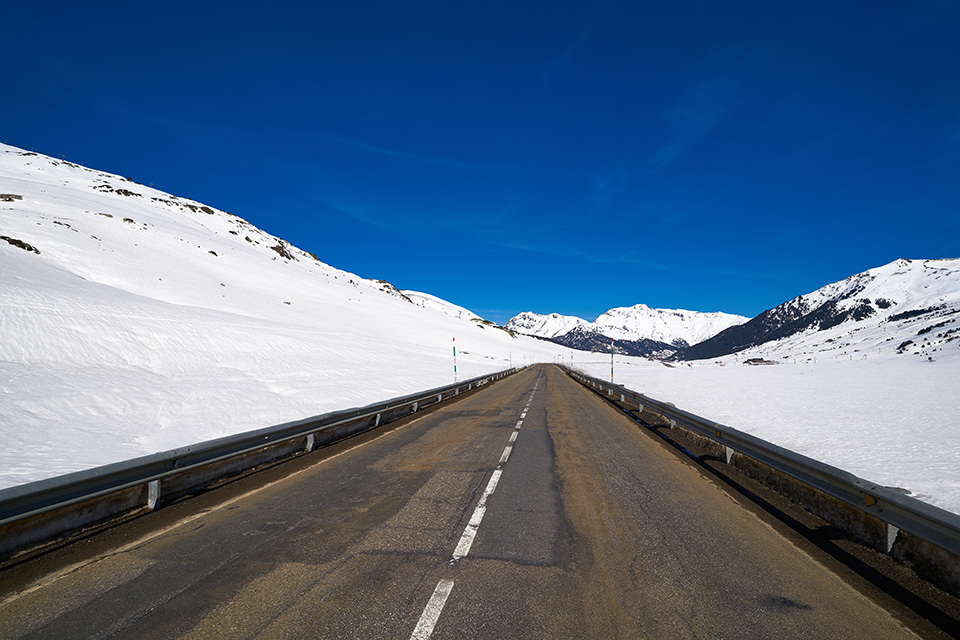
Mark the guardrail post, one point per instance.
(416, 404)
(892, 533)
(622, 399)
(439, 397)
(309, 447)
(377, 424)
(153, 494)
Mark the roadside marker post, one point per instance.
(611, 360)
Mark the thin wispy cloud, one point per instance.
(555, 67)
(629, 258)
(604, 189)
(717, 87)
(479, 225)
(413, 157)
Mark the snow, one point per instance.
(428, 301)
(845, 395)
(672, 326)
(892, 421)
(544, 326)
(148, 322)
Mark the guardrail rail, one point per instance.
(906, 528)
(33, 515)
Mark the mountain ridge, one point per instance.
(889, 299)
(638, 330)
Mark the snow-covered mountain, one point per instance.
(638, 330)
(676, 327)
(905, 307)
(134, 321)
(544, 326)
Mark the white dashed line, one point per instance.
(431, 613)
(466, 540)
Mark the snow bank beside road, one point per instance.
(891, 421)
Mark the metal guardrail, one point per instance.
(67, 497)
(899, 512)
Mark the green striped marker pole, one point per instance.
(611, 360)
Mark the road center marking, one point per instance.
(431, 613)
(466, 540)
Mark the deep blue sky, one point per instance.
(567, 156)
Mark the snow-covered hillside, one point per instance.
(133, 321)
(428, 301)
(905, 308)
(640, 329)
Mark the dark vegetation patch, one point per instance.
(283, 251)
(931, 328)
(106, 188)
(9, 197)
(387, 288)
(913, 313)
(21, 244)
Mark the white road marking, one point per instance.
(431, 613)
(466, 540)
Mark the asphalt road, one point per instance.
(532, 509)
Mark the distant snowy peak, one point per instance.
(677, 327)
(653, 332)
(878, 310)
(544, 326)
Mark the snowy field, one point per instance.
(893, 421)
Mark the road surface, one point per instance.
(531, 509)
